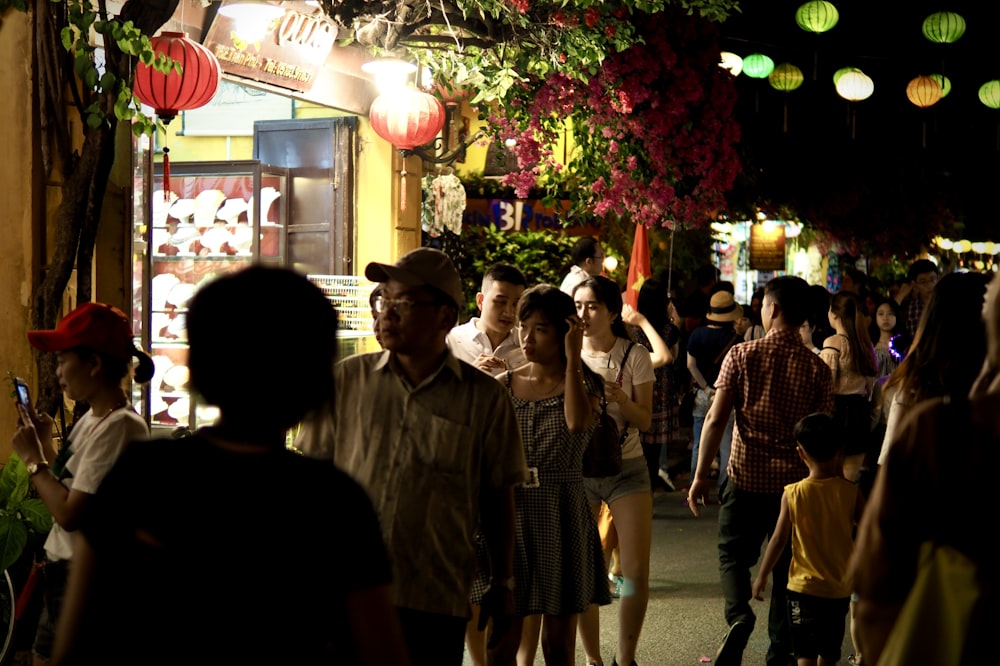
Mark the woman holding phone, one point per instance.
(94, 350)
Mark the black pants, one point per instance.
(746, 520)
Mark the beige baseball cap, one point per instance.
(423, 267)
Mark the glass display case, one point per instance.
(350, 295)
(216, 217)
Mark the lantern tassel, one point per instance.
(166, 173)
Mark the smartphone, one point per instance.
(23, 395)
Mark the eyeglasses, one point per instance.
(924, 281)
(400, 306)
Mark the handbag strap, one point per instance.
(725, 350)
(618, 379)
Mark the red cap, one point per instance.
(97, 326)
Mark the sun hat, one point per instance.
(423, 267)
(723, 308)
(97, 326)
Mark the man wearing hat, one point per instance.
(772, 382)
(706, 347)
(436, 444)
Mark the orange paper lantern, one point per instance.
(407, 117)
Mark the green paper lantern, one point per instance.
(785, 77)
(840, 72)
(944, 82)
(944, 27)
(817, 16)
(989, 94)
(757, 66)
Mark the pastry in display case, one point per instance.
(209, 223)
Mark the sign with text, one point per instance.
(767, 247)
(288, 52)
(522, 215)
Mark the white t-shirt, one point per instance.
(638, 370)
(96, 444)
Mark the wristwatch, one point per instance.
(505, 582)
(35, 468)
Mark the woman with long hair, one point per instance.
(558, 564)
(628, 387)
(94, 350)
(851, 356)
(946, 353)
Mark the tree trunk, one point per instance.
(86, 175)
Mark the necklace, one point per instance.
(535, 383)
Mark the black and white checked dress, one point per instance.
(558, 564)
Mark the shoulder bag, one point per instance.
(603, 456)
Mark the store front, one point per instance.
(279, 169)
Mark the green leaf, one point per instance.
(94, 120)
(108, 81)
(14, 482)
(37, 514)
(13, 539)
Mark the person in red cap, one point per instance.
(94, 351)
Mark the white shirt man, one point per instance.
(489, 342)
(588, 260)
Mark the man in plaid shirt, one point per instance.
(772, 382)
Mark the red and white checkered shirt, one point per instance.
(775, 381)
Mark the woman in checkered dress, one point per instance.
(558, 564)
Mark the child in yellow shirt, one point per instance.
(818, 515)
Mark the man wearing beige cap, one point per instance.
(436, 444)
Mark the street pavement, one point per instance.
(684, 623)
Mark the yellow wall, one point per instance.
(23, 204)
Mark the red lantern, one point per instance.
(194, 86)
(406, 118)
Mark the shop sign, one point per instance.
(522, 215)
(289, 54)
(767, 247)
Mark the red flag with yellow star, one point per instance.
(638, 265)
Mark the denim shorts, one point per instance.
(634, 478)
(54, 586)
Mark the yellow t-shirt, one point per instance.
(822, 515)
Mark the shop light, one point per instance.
(389, 73)
(610, 263)
(792, 229)
(252, 18)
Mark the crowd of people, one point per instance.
(449, 465)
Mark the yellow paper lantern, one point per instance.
(923, 91)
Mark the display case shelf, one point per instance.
(218, 217)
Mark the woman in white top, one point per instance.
(947, 350)
(94, 349)
(851, 356)
(629, 392)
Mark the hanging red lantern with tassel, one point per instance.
(406, 118)
(169, 94)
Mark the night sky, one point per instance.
(888, 182)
